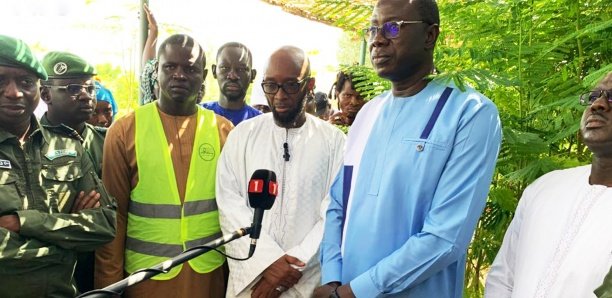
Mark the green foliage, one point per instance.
(122, 83)
(343, 128)
(349, 15)
(532, 58)
(367, 82)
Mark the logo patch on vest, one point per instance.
(206, 152)
(5, 164)
(60, 153)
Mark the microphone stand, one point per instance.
(144, 274)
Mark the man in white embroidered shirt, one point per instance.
(558, 244)
(305, 153)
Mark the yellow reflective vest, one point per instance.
(158, 226)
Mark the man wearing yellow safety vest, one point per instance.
(160, 163)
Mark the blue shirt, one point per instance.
(236, 116)
(404, 207)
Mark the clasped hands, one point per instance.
(278, 277)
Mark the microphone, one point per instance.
(262, 192)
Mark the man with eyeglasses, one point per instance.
(234, 74)
(70, 95)
(160, 164)
(52, 203)
(305, 152)
(559, 244)
(417, 169)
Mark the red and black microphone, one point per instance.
(262, 192)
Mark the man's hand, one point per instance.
(86, 201)
(345, 291)
(10, 222)
(280, 274)
(337, 119)
(263, 289)
(151, 20)
(325, 290)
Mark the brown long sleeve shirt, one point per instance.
(120, 175)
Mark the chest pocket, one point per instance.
(425, 156)
(426, 150)
(10, 197)
(414, 158)
(423, 142)
(59, 181)
(420, 145)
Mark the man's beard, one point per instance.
(234, 96)
(291, 116)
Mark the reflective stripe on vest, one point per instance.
(166, 250)
(158, 227)
(172, 211)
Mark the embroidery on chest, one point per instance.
(51, 155)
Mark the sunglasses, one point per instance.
(389, 30)
(588, 98)
(76, 89)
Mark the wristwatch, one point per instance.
(334, 293)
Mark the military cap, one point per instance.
(64, 65)
(15, 53)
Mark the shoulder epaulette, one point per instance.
(101, 130)
(64, 130)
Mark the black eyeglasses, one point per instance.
(75, 89)
(588, 98)
(389, 30)
(288, 87)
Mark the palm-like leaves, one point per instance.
(532, 58)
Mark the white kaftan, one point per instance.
(294, 225)
(559, 243)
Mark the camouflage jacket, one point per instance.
(92, 139)
(39, 182)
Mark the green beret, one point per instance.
(64, 65)
(15, 53)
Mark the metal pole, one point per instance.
(142, 275)
(142, 37)
(364, 46)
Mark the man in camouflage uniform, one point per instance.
(52, 204)
(70, 95)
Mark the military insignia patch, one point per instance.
(51, 155)
(60, 68)
(5, 164)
